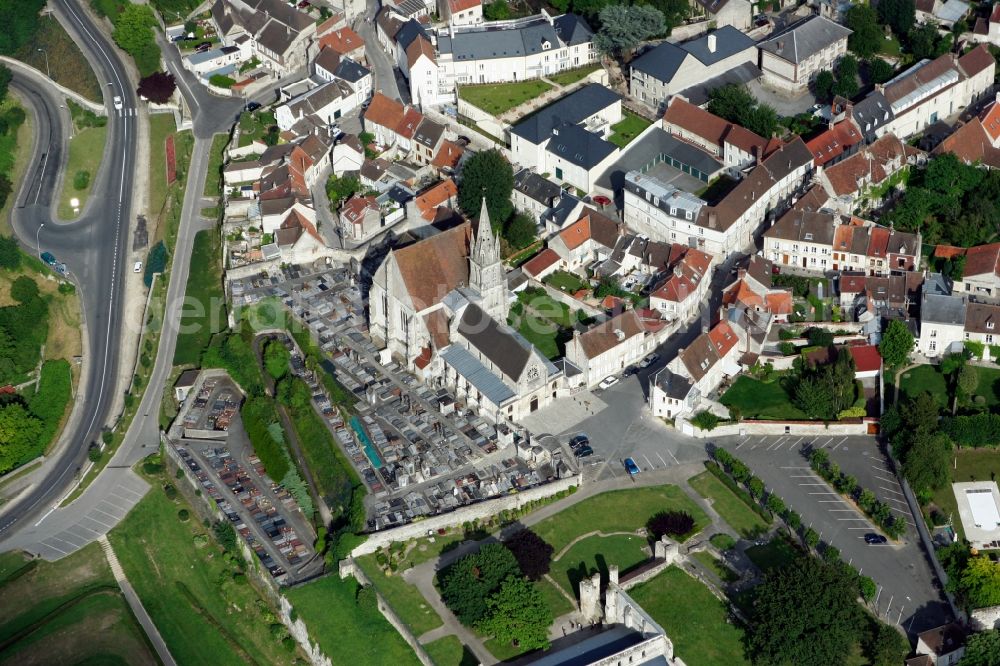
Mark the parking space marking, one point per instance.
(651, 465)
(124, 488)
(84, 527)
(55, 538)
(661, 459)
(69, 530)
(839, 443)
(774, 446)
(744, 441)
(98, 523)
(797, 467)
(128, 501)
(55, 548)
(105, 513)
(894, 492)
(882, 478)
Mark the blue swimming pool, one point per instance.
(366, 443)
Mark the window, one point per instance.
(687, 214)
(933, 332)
(673, 210)
(989, 338)
(932, 346)
(989, 325)
(559, 173)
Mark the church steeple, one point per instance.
(486, 274)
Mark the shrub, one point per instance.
(81, 179)
(705, 420)
(786, 348)
(670, 523)
(183, 515)
(722, 541)
(220, 81)
(533, 554)
(170, 491)
(94, 454)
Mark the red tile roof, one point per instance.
(711, 127)
(384, 111)
(540, 262)
(448, 155)
(866, 358)
(971, 143)
(990, 117)
(437, 195)
(878, 241)
(832, 143)
(982, 260)
(948, 251)
(355, 209)
(779, 302)
(461, 5)
(408, 125)
(723, 338)
(976, 60)
(343, 41)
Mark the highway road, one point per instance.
(34, 523)
(92, 247)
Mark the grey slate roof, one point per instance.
(486, 43)
(410, 31)
(572, 108)
(578, 146)
(939, 309)
(572, 29)
(663, 61)
(477, 374)
(658, 142)
(739, 75)
(350, 70)
(508, 352)
(873, 112)
(673, 385)
(800, 40)
(198, 58)
(535, 187)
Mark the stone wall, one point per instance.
(390, 614)
(813, 428)
(483, 119)
(480, 510)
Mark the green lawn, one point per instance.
(707, 560)
(733, 510)
(596, 553)
(15, 154)
(405, 599)
(213, 176)
(890, 47)
(617, 511)
(161, 125)
(924, 378)
(86, 149)
(777, 552)
(449, 651)
(555, 599)
(630, 127)
(566, 281)
(760, 400)
(543, 305)
(498, 98)
(347, 631)
(540, 333)
(967, 465)
(204, 311)
(695, 620)
(572, 76)
(203, 614)
(254, 125)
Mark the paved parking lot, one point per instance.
(907, 593)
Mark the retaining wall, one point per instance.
(815, 428)
(484, 509)
(390, 615)
(99, 109)
(486, 121)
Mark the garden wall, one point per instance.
(816, 428)
(484, 509)
(486, 121)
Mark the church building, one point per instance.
(441, 306)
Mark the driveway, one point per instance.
(908, 591)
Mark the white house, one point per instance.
(686, 287)
(610, 347)
(348, 155)
(792, 57)
(326, 102)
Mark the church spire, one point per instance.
(487, 246)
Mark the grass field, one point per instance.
(86, 149)
(617, 511)
(776, 553)
(347, 631)
(69, 611)
(65, 62)
(540, 333)
(165, 200)
(566, 281)
(498, 98)
(966, 465)
(449, 651)
(405, 599)
(695, 620)
(928, 378)
(595, 554)
(15, 153)
(161, 125)
(707, 560)
(572, 76)
(217, 620)
(213, 176)
(756, 399)
(204, 312)
(733, 510)
(630, 127)
(254, 125)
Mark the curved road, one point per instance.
(92, 247)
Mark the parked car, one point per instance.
(252, 106)
(608, 382)
(137, 268)
(579, 440)
(649, 360)
(584, 451)
(631, 467)
(49, 258)
(874, 539)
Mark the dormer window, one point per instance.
(989, 325)
(546, 45)
(673, 210)
(687, 214)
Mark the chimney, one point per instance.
(711, 43)
(712, 219)
(741, 273)
(781, 45)
(620, 334)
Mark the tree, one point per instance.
(498, 10)
(866, 39)
(899, 15)
(24, 289)
(886, 646)
(735, 103)
(674, 11)
(339, 189)
(879, 70)
(775, 504)
(670, 523)
(926, 43)
(533, 554)
(624, 27)
(466, 584)
(805, 613)
(10, 255)
(968, 380)
(488, 174)
(979, 582)
(982, 649)
(925, 465)
(823, 86)
(276, 359)
(5, 78)
(19, 19)
(826, 390)
(134, 28)
(847, 77)
(896, 344)
(517, 613)
(20, 433)
(819, 337)
(157, 87)
(81, 179)
(520, 231)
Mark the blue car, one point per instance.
(631, 467)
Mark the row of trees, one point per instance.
(912, 429)
(868, 24)
(10, 121)
(847, 484)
